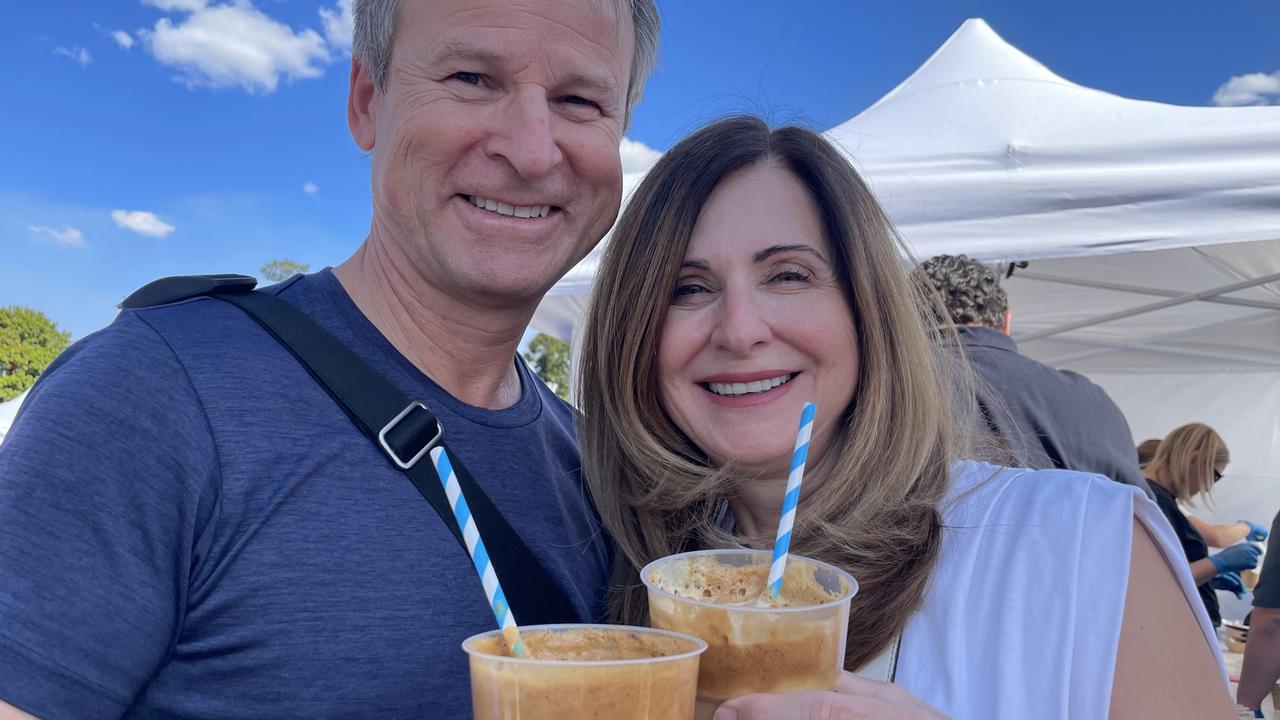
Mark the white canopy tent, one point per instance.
(8, 411)
(1152, 233)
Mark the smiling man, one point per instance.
(191, 527)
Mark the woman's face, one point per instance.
(758, 325)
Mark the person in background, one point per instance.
(1261, 667)
(1047, 417)
(1147, 450)
(753, 270)
(1215, 535)
(190, 527)
(1189, 461)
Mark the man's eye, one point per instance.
(467, 77)
(580, 101)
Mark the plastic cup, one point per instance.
(720, 596)
(574, 672)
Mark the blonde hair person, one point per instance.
(1186, 466)
(753, 270)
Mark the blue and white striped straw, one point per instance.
(790, 500)
(479, 556)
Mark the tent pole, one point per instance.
(1148, 342)
(1143, 309)
(1113, 345)
(1157, 292)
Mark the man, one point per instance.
(1261, 667)
(190, 526)
(1048, 417)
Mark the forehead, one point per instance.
(598, 31)
(760, 205)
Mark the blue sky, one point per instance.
(130, 153)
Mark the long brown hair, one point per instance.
(876, 513)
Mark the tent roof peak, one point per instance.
(973, 53)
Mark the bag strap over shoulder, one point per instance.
(403, 429)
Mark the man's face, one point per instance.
(495, 143)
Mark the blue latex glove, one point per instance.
(1236, 558)
(1257, 533)
(1230, 582)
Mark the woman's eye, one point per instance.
(789, 276)
(685, 291)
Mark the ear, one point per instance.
(362, 106)
(1007, 327)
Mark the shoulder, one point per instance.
(981, 490)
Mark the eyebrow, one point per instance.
(462, 51)
(772, 250)
(760, 256)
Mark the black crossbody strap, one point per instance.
(404, 430)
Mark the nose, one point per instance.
(523, 134)
(742, 325)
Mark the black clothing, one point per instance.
(1193, 545)
(1050, 418)
(1267, 592)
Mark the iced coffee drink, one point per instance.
(755, 643)
(575, 672)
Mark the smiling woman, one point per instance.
(753, 271)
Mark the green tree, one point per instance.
(29, 341)
(549, 358)
(282, 269)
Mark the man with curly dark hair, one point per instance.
(1048, 417)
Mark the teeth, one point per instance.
(522, 211)
(756, 386)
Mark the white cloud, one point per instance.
(142, 222)
(76, 53)
(310, 188)
(636, 156)
(338, 25)
(1251, 89)
(122, 38)
(176, 5)
(233, 45)
(65, 237)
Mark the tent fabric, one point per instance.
(8, 411)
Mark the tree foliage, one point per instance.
(29, 341)
(282, 269)
(549, 358)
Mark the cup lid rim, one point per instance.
(699, 645)
(853, 582)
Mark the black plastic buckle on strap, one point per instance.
(411, 433)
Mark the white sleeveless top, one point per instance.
(1022, 616)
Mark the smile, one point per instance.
(748, 388)
(501, 208)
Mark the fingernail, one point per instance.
(725, 713)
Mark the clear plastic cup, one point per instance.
(753, 647)
(596, 671)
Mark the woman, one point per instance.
(753, 271)
(1188, 463)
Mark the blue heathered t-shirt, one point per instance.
(191, 528)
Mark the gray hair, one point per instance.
(375, 24)
(969, 290)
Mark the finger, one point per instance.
(850, 684)
(812, 705)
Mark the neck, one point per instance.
(468, 351)
(758, 505)
(1158, 475)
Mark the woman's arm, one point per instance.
(1219, 536)
(1165, 667)
(1203, 570)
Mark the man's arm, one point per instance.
(1261, 666)
(1165, 667)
